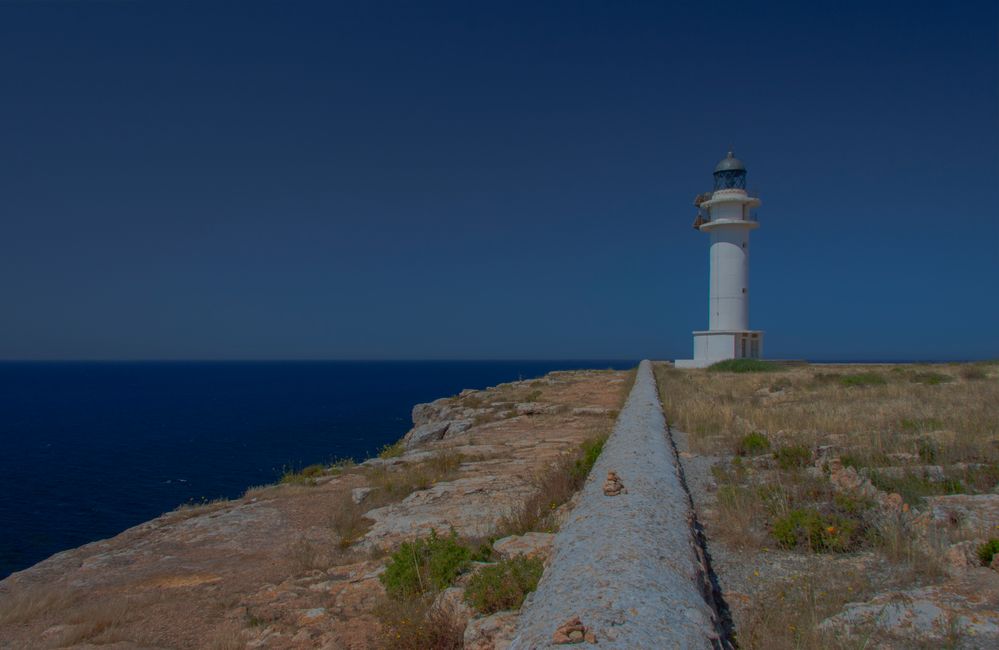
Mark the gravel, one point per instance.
(628, 566)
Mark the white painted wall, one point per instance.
(729, 293)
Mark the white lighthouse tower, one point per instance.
(725, 214)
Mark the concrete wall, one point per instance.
(629, 565)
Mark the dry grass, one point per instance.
(347, 519)
(788, 615)
(30, 602)
(98, 621)
(886, 421)
(554, 486)
(419, 624)
(396, 483)
(814, 406)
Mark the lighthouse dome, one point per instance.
(730, 164)
(730, 174)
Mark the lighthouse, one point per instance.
(725, 214)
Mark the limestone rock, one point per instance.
(358, 495)
(528, 544)
(962, 556)
(425, 433)
(927, 616)
(534, 408)
(452, 600)
(590, 410)
(429, 412)
(968, 512)
(491, 632)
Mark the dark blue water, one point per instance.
(89, 449)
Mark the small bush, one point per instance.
(752, 444)
(930, 378)
(793, 456)
(425, 565)
(815, 531)
(504, 585)
(533, 396)
(987, 551)
(862, 379)
(743, 365)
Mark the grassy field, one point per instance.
(825, 470)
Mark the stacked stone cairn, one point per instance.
(613, 485)
(573, 631)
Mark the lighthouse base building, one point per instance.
(726, 214)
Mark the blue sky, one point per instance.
(297, 180)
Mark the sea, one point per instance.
(88, 449)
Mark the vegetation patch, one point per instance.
(418, 624)
(987, 551)
(793, 456)
(914, 486)
(427, 565)
(815, 531)
(393, 450)
(306, 476)
(743, 365)
(930, 378)
(862, 379)
(752, 444)
(503, 585)
(553, 487)
(974, 373)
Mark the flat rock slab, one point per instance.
(627, 565)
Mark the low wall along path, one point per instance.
(628, 563)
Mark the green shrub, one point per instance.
(743, 365)
(930, 378)
(792, 456)
(504, 585)
(988, 550)
(588, 454)
(425, 565)
(808, 528)
(752, 444)
(862, 379)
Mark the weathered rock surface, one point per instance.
(961, 613)
(529, 545)
(491, 632)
